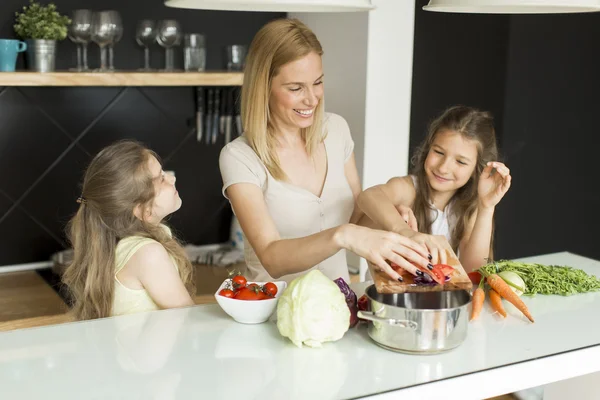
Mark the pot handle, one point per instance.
(402, 323)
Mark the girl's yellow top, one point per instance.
(126, 300)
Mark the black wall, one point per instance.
(551, 136)
(538, 75)
(48, 135)
(458, 59)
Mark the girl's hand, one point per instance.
(378, 247)
(492, 187)
(437, 245)
(408, 216)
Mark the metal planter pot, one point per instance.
(419, 323)
(41, 55)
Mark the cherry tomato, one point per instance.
(246, 293)
(226, 293)
(253, 286)
(270, 289)
(475, 277)
(263, 296)
(238, 281)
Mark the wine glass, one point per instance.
(169, 35)
(145, 35)
(102, 34)
(80, 33)
(117, 35)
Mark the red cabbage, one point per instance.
(350, 300)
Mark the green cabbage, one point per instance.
(312, 310)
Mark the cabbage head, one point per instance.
(312, 310)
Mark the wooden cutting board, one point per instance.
(459, 280)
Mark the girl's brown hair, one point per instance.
(117, 180)
(277, 43)
(474, 125)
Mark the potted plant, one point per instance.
(41, 27)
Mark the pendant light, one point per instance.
(513, 6)
(275, 5)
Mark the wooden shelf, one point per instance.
(121, 78)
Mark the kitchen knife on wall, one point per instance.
(223, 113)
(238, 117)
(228, 113)
(209, 111)
(216, 116)
(199, 110)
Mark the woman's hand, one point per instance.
(378, 247)
(437, 245)
(493, 186)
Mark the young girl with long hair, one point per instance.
(455, 185)
(125, 259)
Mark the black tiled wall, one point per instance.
(48, 135)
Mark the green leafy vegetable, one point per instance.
(546, 279)
(312, 310)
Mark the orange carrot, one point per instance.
(478, 298)
(505, 291)
(496, 301)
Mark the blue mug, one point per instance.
(9, 49)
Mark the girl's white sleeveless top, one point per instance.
(441, 223)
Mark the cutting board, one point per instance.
(459, 280)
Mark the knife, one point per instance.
(199, 110)
(223, 117)
(216, 120)
(209, 109)
(229, 115)
(238, 120)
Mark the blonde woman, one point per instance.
(291, 178)
(126, 259)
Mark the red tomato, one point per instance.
(395, 267)
(446, 269)
(438, 275)
(475, 277)
(263, 296)
(246, 293)
(238, 281)
(226, 293)
(253, 285)
(363, 303)
(270, 289)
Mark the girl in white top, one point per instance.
(125, 259)
(291, 178)
(456, 186)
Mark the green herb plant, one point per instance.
(41, 22)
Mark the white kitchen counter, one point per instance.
(201, 353)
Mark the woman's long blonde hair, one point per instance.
(277, 43)
(117, 180)
(474, 125)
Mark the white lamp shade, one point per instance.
(275, 5)
(513, 6)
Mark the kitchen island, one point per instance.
(201, 353)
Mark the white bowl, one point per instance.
(250, 311)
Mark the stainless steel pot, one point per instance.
(427, 322)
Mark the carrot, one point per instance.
(496, 301)
(478, 298)
(505, 291)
